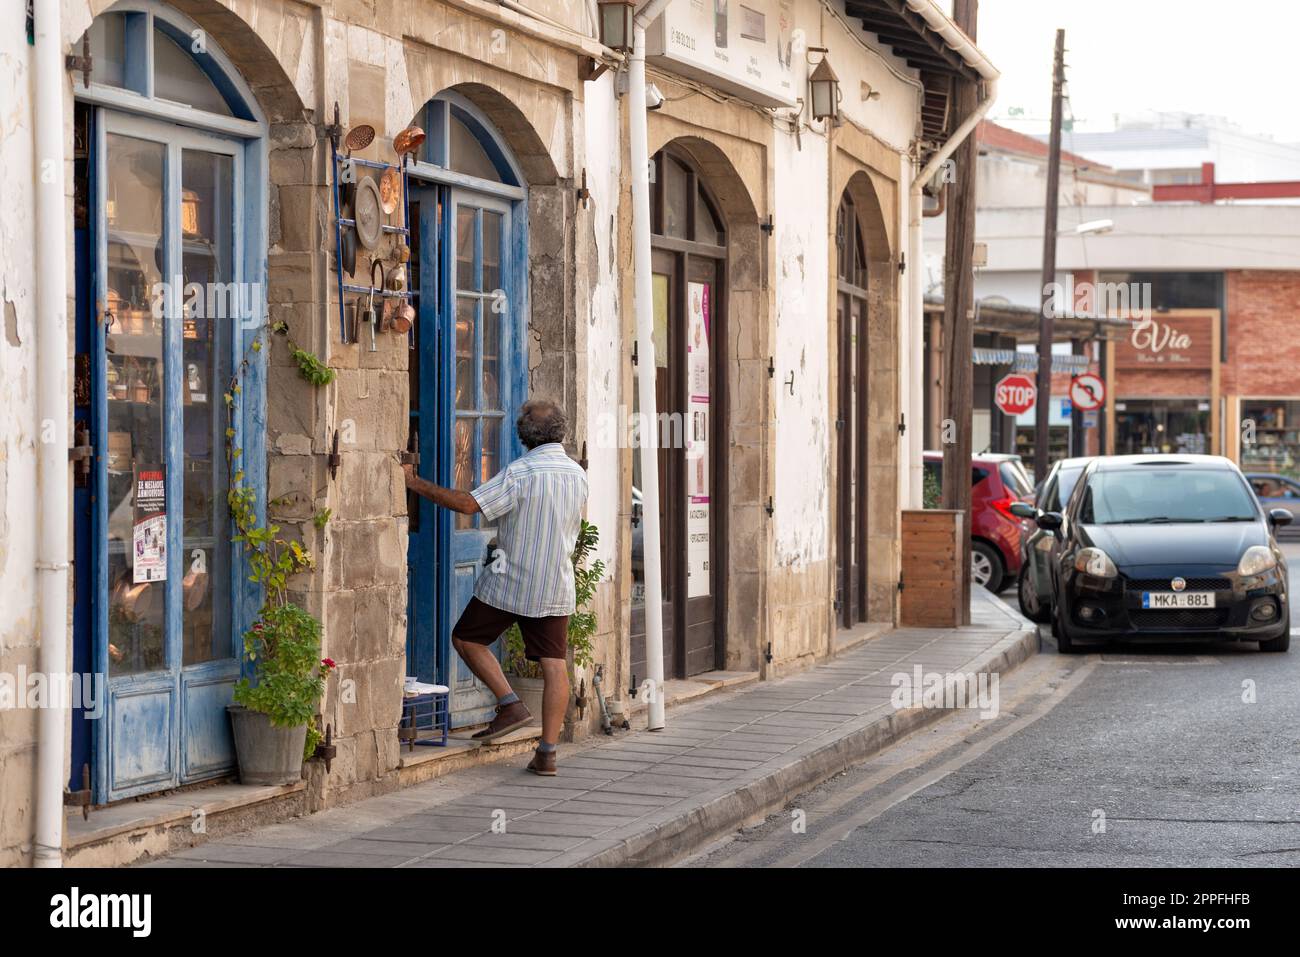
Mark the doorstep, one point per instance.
(421, 763)
(123, 832)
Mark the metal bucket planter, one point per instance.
(530, 693)
(267, 754)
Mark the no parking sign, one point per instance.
(1087, 392)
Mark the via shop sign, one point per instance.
(1167, 341)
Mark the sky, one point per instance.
(1237, 60)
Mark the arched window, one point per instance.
(461, 140)
(681, 206)
(170, 272)
(144, 49)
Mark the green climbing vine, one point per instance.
(283, 645)
(309, 364)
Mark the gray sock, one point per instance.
(511, 698)
(545, 748)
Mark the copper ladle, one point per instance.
(359, 137)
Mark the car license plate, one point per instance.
(1178, 599)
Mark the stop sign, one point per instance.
(1014, 394)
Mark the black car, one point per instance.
(1166, 547)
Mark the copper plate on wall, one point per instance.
(390, 190)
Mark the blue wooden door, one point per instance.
(467, 368)
(167, 222)
(424, 655)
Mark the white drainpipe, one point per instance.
(639, 168)
(938, 21)
(53, 509)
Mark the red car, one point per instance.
(996, 482)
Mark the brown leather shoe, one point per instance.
(509, 717)
(543, 763)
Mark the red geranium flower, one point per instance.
(328, 663)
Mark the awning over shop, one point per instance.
(1027, 361)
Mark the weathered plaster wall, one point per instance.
(607, 406)
(18, 431)
(800, 588)
(803, 432)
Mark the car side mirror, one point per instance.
(1280, 516)
(1050, 521)
(1024, 510)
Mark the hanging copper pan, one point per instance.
(403, 318)
(408, 141)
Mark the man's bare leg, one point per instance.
(555, 698)
(484, 664)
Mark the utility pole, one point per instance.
(1044, 397)
(959, 300)
(1078, 446)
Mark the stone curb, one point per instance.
(768, 790)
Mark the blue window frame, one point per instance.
(170, 276)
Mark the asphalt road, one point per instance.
(1175, 755)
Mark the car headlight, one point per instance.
(1095, 562)
(1256, 560)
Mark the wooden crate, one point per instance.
(932, 568)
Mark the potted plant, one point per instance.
(274, 718)
(525, 676)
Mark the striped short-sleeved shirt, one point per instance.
(536, 504)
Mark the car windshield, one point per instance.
(1166, 494)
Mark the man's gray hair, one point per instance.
(540, 421)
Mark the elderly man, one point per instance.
(536, 505)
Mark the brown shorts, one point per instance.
(482, 624)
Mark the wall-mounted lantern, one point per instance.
(825, 89)
(616, 24)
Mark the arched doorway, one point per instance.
(169, 228)
(689, 255)
(468, 369)
(851, 420)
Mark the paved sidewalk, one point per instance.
(644, 797)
